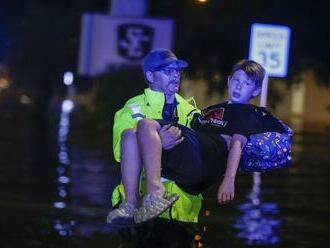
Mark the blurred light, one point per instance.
(62, 134)
(58, 226)
(255, 201)
(63, 233)
(63, 228)
(59, 204)
(25, 100)
(64, 159)
(67, 106)
(202, 1)
(64, 179)
(4, 83)
(64, 122)
(298, 99)
(62, 193)
(68, 78)
(197, 237)
(60, 170)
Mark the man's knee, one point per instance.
(147, 125)
(128, 134)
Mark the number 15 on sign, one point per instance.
(269, 46)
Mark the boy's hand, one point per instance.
(226, 191)
(170, 136)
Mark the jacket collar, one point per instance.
(157, 99)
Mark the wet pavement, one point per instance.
(56, 193)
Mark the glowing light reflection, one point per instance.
(258, 224)
(62, 225)
(68, 78)
(67, 106)
(59, 205)
(63, 179)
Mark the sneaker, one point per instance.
(124, 213)
(153, 206)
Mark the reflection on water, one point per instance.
(280, 211)
(259, 221)
(83, 186)
(61, 223)
(93, 178)
(160, 233)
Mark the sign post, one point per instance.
(269, 46)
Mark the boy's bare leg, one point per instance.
(131, 166)
(150, 148)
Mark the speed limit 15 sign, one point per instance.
(269, 46)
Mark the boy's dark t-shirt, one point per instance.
(200, 159)
(236, 118)
(226, 118)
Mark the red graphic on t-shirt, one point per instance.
(215, 114)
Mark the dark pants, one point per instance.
(197, 162)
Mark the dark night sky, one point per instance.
(222, 28)
(44, 35)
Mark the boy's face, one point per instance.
(166, 80)
(241, 88)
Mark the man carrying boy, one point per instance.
(160, 100)
(213, 150)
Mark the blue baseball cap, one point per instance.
(160, 58)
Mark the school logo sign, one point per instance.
(135, 40)
(110, 42)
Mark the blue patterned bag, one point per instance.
(267, 151)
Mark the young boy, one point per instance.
(213, 149)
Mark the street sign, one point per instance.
(106, 40)
(269, 46)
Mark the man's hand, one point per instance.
(226, 191)
(170, 136)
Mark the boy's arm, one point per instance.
(226, 190)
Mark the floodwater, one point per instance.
(56, 193)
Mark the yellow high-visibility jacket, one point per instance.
(150, 105)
